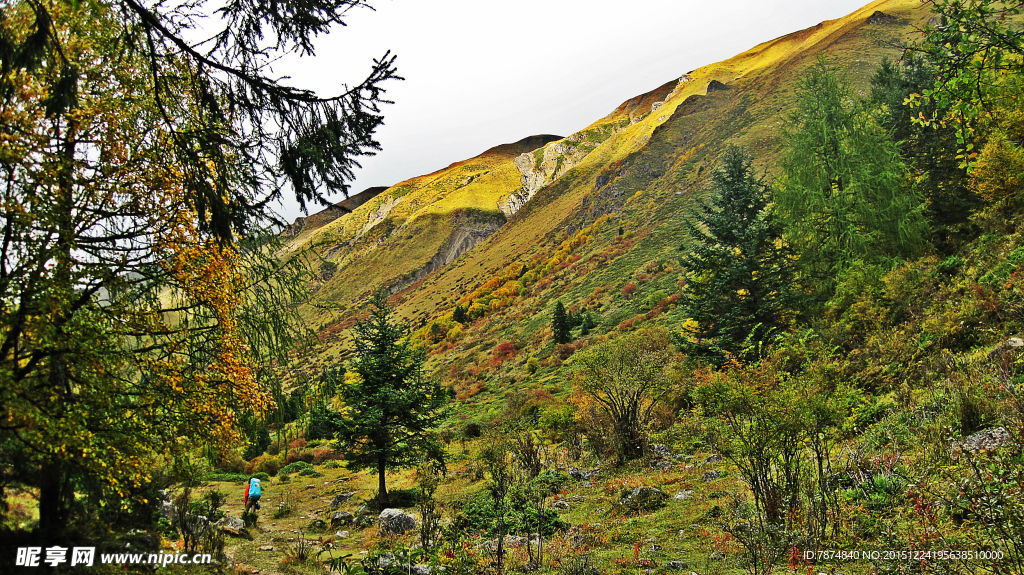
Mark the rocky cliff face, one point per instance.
(468, 231)
(544, 165)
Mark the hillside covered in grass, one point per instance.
(766, 317)
(869, 417)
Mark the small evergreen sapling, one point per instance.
(460, 314)
(560, 327)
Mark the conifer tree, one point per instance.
(460, 314)
(560, 330)
(737, 270)
(391, 406)
(845, 195)
(931, 151)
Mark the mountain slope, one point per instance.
(436, 240)
(668, 147)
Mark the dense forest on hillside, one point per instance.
(815, 366)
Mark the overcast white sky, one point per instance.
(482, 72)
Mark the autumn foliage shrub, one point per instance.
(503, 352)
(269, 464)
(322, 454)
(305, 455)
(232, 463)
(506, 349)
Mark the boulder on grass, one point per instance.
(643, 498)
(983, 442)
(341, 498)
(395, 521)
(341, 518)
(231, 525)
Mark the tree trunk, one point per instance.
(54, 492)
(53, 508)
(382, 485)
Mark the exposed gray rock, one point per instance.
(395, 521)
(662, 451)
(422, 569)
(340, 518)
(711, 475)
(713, 458)
(341, 498)
(676, 565)
(583, 474)
(469, 230)
(231, 525)
(560, 505)
(166, 505)
(317, 525)
(879, 17)
(660, 464)
(548, 163)
(643, 498)
(384, 560)
(684, 495)
(984, 441)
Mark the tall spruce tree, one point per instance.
(391, 406)
(737, 269)
(560, 328)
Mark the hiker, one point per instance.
(252, 494)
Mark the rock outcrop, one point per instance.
(985, 441)
(643, 498)
(341, 498)
(546, 164)
(879, 17)
(395, 521)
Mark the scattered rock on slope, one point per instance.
(341, 498)
(341, 518)
(643, 498)
(231, 525)
(880, 17)
(395, 521)
(984, 441)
